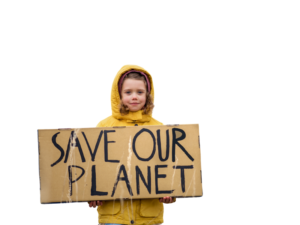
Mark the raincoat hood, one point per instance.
(115, 97)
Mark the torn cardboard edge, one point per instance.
(64, 128)
(202, 176)
(187, 197)
(117, 199)
(55, 203)
(173, 124)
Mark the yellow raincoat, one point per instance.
(138, 211)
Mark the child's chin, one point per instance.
(134, 109)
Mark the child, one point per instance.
(132, 99)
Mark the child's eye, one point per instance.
(127, 92)
(140, 92)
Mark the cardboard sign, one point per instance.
(119, 162)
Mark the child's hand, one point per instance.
(95, 203)
(166, 199)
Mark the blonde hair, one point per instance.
(148, 107)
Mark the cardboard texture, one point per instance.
(119, 162)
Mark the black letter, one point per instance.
(96, 147)
(125, 178)
(182, 175)
(70, 176)
(106, 147)
(159, 146)
(139, 173)
(77, 144)
(175, 142)
(134, 140)
(62, 153)
(160, 176)
(93, 189)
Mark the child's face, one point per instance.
(133, 94)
